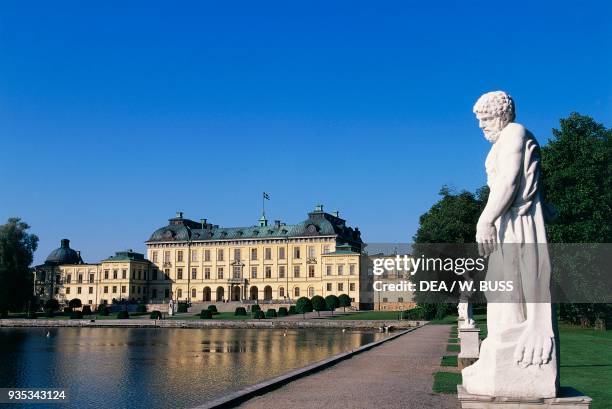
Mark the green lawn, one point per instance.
(446, 382)
(453, 348)
(586, 363)
(449, 360)
(449, 319)
(370, 315)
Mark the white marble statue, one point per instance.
(518, 358)
(171, 308)
(466, 318)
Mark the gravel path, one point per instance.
(396, 374)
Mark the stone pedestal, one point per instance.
(469, 343)
(569, 398)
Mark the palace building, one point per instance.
(65, 276)
(200, 262)
(193, 261)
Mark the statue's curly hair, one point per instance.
(496, 103)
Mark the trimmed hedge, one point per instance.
(206, 314)
(271, 313)
(86, 310)
(240, 311)
(49, 313)
(213, 309)
(155, 315)
(292, 310)
(282, 312)
(141, 308)
(103, 311)
(182, 307)
(76, 315)
(255, 308)
(259, 314)
(123, 315)
(52, 304)
(67, 309)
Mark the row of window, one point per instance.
(136, 275)
(281, 291)
(267, 254)
(237, 272)
(135, 289)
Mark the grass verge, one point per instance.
(446, 382)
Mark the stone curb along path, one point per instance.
(235, 398)
(267, 323)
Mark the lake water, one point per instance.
(148, 367)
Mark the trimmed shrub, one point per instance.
(76, 315)
(75, 303)
(213, 309)
(332, 302)
(259, 314)
(67, 309)
(255, 308)
(303, 305)
(282, 312)
(155, 315)
(318, 304)
(182, 307)
(86, 310)
(345, 301)
(49, 313)
(271, 313)
(123, 315)
(240, 311)
(292, 310)
(31, 315)
(102, 311)
(141, 308)
(206, 314)
(52, 304)
(416, 313)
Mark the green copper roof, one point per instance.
(318, 223)
(126, 256)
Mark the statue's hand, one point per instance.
(486, 237)
(534, 347)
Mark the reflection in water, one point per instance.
(145, 367)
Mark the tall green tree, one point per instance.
(577, 181)
(453, 218)
(443, 232)
(17, 248)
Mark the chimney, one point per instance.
(336, 213)
(319, 208)
(277, 223)
(179, 215)
(65, 243)
(203, 222)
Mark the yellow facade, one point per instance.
(253, 270)
(200, 262)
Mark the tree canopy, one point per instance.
(576, 176)
(17, 248)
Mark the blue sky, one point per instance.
(112, 117)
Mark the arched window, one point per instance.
(179, 293)
(193, 293)
(281, 292)
(296, 291)
(311, 292)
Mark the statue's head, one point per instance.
(494, 111)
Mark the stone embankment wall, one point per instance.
(269, 323)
